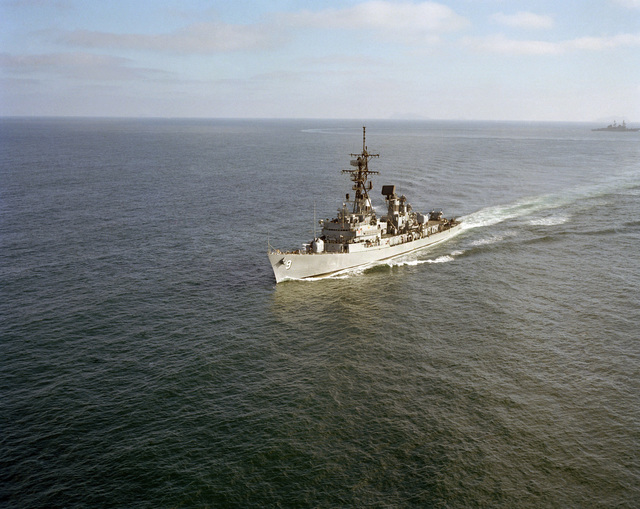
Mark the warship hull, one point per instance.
(317, 265)
(618, 129)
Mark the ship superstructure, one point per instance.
(356, 236)
(618, 128)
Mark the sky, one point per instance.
(534, 60)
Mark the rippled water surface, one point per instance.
(148, 359)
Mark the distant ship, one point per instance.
(357, 237)
(617, 128)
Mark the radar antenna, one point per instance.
(360, 177)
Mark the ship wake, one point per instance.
(536, 207)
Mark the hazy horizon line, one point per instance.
(375, 119)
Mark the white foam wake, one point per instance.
(413, 263)
(548, 221)
(397, 262)
(536, 204)
(499, 213)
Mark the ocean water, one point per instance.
(148, 359)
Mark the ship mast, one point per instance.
(359, 176)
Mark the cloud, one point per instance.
(384, 16)
(342, 61)
(603, 43)
(405, 21)
(524, 20)
(58, 4)
(207, 37)
(631, 4)
(501, 44)
(82, 66)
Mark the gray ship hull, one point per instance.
(305, 265)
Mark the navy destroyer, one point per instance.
(618, 128)
(356, 236)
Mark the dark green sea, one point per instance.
(148, 359)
